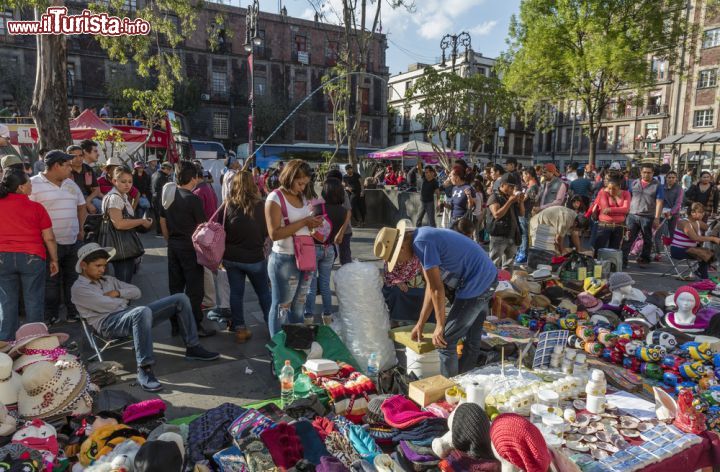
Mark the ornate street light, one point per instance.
(454, 42)
(252, 39)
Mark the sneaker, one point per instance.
(309, 320)
(218, 314)
(204, 332)
(242, 334)
(52, 320)
(147, 380)
(71, 319)
(199, 353)
(521, 257)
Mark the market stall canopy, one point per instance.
(413, 148)
(89, 120)
(691, 138)
(671, 139)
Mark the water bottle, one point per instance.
(287, 384)
(373, 367)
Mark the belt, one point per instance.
(611, 225)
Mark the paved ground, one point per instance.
(242, 375)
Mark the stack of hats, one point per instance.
(544, 238)
(589, 302)
(10, 384)
(34, 343)
(53, 391)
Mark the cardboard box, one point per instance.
(429, 390)
(401, 335)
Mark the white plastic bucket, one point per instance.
(422, 365)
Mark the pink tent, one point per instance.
(412, 149)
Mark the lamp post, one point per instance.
(451, 42)
(251, 40)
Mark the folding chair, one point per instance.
(683, 273)
(94, 339)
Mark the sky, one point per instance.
(415, 37)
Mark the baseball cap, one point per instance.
(166, 165)
(615, 166)
(4, 132)
(10, 160)
(152, 157)
(509, 179)
(139, 165)
(55, 156)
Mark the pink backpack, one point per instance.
(209, 241)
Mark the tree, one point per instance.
(360, 20)
(452, 106)
(153, 55)
(592, 51)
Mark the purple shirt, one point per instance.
(206, 194)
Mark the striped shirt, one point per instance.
(61, 204)
(680, 239)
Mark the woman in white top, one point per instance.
(114, 202)
(289, 285)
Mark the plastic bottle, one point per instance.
(373, 367)
(287, 384)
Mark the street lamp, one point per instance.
(452, 41)
(251, 41)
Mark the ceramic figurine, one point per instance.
(692, 370)
(663, 338)
(688, 418)
(698, 351)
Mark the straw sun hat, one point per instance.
(9, 381)
(30, 331)
(53, 390)
(389, 241)
(46, 348)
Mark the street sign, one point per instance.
(501, 132)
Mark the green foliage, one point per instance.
(218, 33)
(110, 142)
(591, 49)
(186, 97)
(116, 91)
(451, 106)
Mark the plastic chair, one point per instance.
(682, 273)
(93, 339)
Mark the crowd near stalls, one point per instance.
(499, 331)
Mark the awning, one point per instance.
(712, 137)
(691, 138)
(671, 139)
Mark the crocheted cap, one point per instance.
(520, 442)
(589, 302)
(400, 412)
(471, 431)
(691, 291)
(619, 280)
(284, 445)
(374, 412)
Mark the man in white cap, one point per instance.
(451, 260)
(152, 165)
(103, 300)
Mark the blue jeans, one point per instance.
(465, 320)
(257, 273)
(140, 320)
(680, 253)
(344, 250)
(638, 224)
(289, 290)
(143, 206)
(58, 287)
(97, 203)
(124, 269)
(524, 230)
(325, 259)
(27, 270)
(428, 208)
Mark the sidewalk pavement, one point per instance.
(242, 374)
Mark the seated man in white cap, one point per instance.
(448, 259)
(103, 302)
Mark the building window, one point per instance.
(659, 69)
(331, 53)
(301, 133)
(603, 139)
(408, 85)
(330, 131)
(624, 138)
(219, 82)
(130, 5)
(260, 85)
(482, 71)
(300, 43)
(220, 124)
(299, 89)
(703, 118)
(364, 135)
(5, 16)
(652, 132)
(707, 78)
(365, 99)
(70, 78)
(711, 38)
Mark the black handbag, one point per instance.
(126, 242)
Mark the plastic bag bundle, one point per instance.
(364, 320)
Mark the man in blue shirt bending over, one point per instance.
(453, 262)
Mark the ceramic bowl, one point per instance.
(577, 446)
(587, 430)
(630, 433)
(607, 447)
(581, 420)
(600, 454)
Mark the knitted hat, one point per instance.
(331, 464)
(312, 445)
(619, 280)
(284, 445)
(401, 412)
(589, 302)
(471, 431)
(157, 456)
(691, 291)
(520, 442)
(374, 414)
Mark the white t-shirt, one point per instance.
(285, 246)
(114, 199)
(477, 211)
(61, 204)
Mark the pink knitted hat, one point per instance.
(519, 442)
(691, 291)
(401, 413)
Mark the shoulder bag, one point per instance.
(126, 242)
(304, 245)
(209, 241)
